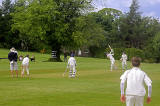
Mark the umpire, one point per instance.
(13, 56)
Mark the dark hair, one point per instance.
(136, 61)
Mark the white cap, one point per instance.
(12, 49)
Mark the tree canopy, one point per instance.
(72, 24)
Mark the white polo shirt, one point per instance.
(72, 61)
(124, 58)
(135, 81)
(25, 61)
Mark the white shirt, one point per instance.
(110, 56)
(25, 61)
(135, 81)
(72, 61)
(112, 52)
(124, 57)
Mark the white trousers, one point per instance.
(25, 68)
(124, 65)
(72, 71)
(134, 100)
(112, 64)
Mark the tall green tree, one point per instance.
(156, 46)
(108, 18)
(130, 26)
(135, 30)
(51, 21)
(94, 34)
(5, 23)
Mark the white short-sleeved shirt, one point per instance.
(110, 56)
(25, 61)
(72, 61)
(124, 57)
(135, 81)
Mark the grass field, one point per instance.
(96, 85)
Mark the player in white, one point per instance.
(112, 60)
(72, 66)
(135, 90)
(25, 66)
(124, 61)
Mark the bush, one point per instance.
(100, 53)
(145, 55)
(54, 60)
(131, 52)
(97, 52)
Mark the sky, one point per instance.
(147, 7)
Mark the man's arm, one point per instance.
(149, 94)
(9, 56)
(122, 92)
(149, 90)
(148, 82)
(123, 80)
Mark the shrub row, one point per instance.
(131, 52)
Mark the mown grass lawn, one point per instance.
(95, 85)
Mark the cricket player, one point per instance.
(25, 66)
(135, 90)
(72, 66)
(13, 56)
(112, 60)
(124, 61)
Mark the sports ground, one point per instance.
(94, 85)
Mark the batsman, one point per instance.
(110, 56)
(72, 66)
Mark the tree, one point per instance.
(94, 34)
(130, 26)
(135, 30)
(5, 23)
(156, 46)
(108, 18)
(51, 21)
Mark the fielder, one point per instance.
(124, 61)
(25, 66)
(72, 66)
(135, 90)
(13, 56)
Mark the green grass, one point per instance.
(96, 85)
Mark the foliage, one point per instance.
(70, 24)
(130, 26)
(108, 18)
(131, 52)
(5, 24)
(156, 47)
(51, 21)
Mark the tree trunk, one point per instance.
(57, 48)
